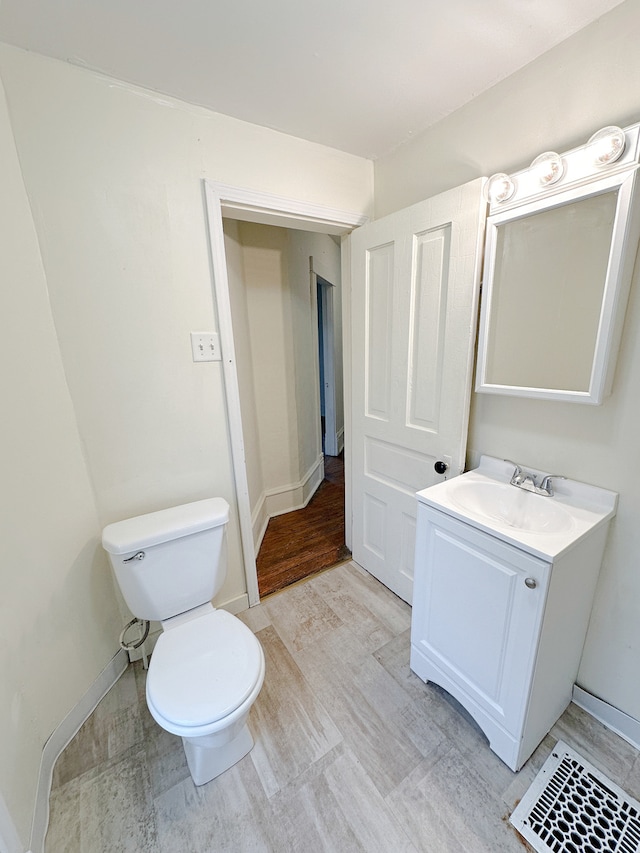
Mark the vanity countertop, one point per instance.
(544, 526)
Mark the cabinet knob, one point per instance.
(532, 583)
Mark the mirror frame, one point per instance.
(529, 200)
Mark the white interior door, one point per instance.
(415, 287)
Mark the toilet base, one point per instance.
(208, 758)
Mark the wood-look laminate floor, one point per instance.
(352, 751)
(302, 542)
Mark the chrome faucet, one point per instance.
(545, 486)
(528, 481)
(522, 479)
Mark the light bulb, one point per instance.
(607, 145)
(499, 188)
(548, 168)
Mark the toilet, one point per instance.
(207, 667)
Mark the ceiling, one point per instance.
(362, 76)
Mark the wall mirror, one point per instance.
(560, 246)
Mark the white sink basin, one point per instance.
(544, 526)
(511, 506)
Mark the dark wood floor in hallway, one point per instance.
(300, 543)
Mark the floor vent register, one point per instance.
(573, 808)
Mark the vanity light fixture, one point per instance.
(548, 168)
(608, 148)
(607, 145)
(499, 188)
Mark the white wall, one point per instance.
(115, 274)
(556, 102)
(325, 254)
(59, 624)
(268, 296)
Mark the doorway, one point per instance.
(273, 286)
(290, 382)
(245, 206)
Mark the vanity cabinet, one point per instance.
(498, 627)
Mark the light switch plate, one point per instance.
(205, 346)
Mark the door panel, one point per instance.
(427, 321)
(414, 302)
(378, 341)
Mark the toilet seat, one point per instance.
(204, 672)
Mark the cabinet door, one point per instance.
(477, 610)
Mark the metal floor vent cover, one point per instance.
(573, 808)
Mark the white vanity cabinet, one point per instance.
(500, 623)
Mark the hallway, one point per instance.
(300, 543)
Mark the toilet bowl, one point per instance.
(205, 674)
(207, 667)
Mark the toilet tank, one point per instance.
(169, 561)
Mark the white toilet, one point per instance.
(207, 667)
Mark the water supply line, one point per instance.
(143, 625)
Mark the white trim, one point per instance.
(254, 206)
(325, 291)
(622, 724)
(261, 533)
(259, 522)
(295, 495)
(345, 286)
(315, 347)
(214, 195)
(61, 737)
(235, 605)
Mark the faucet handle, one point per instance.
(518, 476)
(545, 485)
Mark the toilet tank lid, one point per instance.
(133, 534)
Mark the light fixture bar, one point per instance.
(609, 150)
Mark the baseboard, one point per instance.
(235, 605)
(283, 499)
(61, 737)
(295, 496)
(312, 480)
(622, 724)
(259, 522)
(260, 536)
